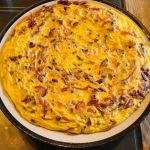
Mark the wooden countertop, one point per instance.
(141, 10)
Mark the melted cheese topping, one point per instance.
(77, 68)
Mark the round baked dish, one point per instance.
(75, 67)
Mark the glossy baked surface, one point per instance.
(75, 68)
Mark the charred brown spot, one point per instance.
(86, 6)
(86, 76)
(100, 81)
(144, 86)
(72, 110)
(85, 51)
(128, 104)
(43, 57)
(111, 76)
(55, 80)
(74, 52)
(89, 122)
(20, 56)
(11, 72)
(79, 3)
(52, 40)
(13, 34)
(91, 75)
(102, 106)
(65, 118)
(122, 98)
(72, 91)
(133, 94)
(25, 67)
(39, 12)
(64, 2)
(50, 67)
(40, 46)
(141, 94)
(26, 99)
(111, 29)
(57, 69)
(31, 44)
(145, 71)
(60, 22)
(93, 97)
(33, 120)
(49, 8)
(106, 22)
(131, 44)
(91, 110)
(54, 62)
(144, 77)
(101, 89)
(51, 32)
(42, 91)
(129, 33)
(96, 40)
(65, 8)
(79, 58)
(76, 23)
(79, 105)
(108, 100)
(13, 58)
(104, 62)
(42, 24)
(101, 112)
(40, 78)
(32, 22)
(40, 61)
(139, 54)
(33, 111)
(40, 69)
(45, 107)
(19, 79)
(64, 89)
(110, 12)
(58, 118)
(85, 88)
(94, 8)
(120, 105)
(92, 102)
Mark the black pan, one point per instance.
(128, 125)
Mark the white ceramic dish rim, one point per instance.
(58, 136)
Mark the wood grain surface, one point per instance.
(141, 10)
(13, 139)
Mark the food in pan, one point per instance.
(75, 67)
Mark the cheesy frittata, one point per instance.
(75, 67)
